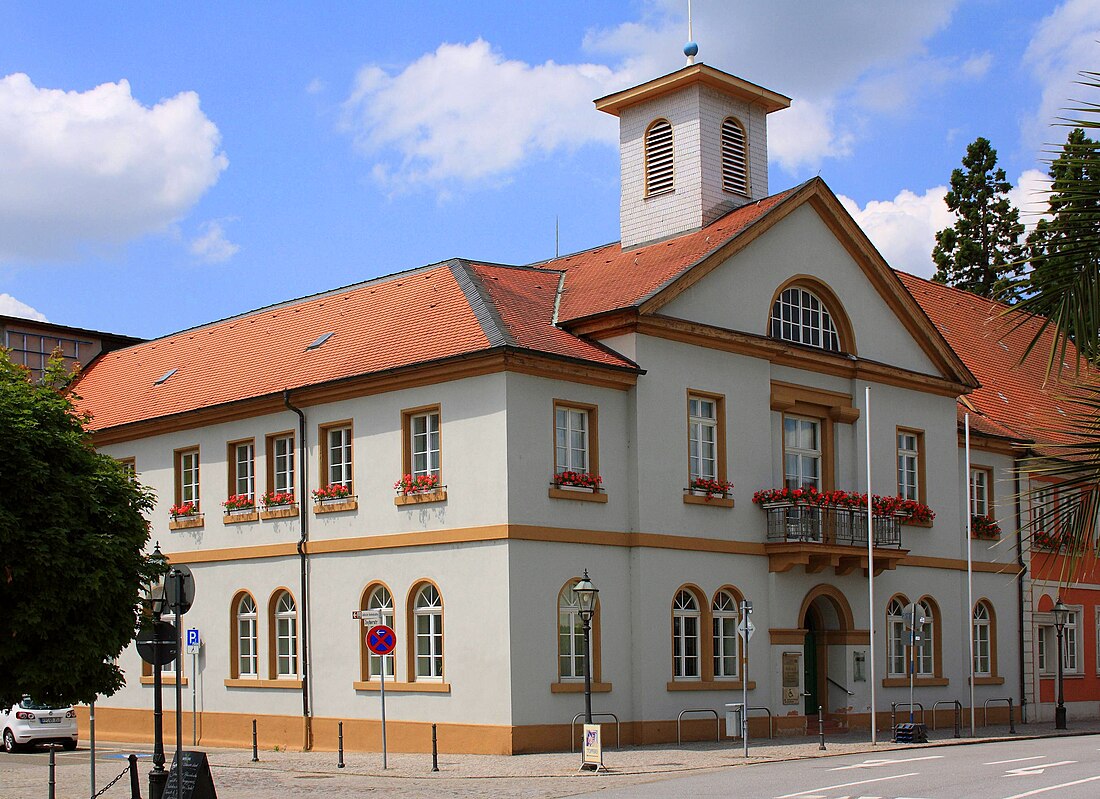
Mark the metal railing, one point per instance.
(737, 708)
(573, 729)
(830, 524)
(717, 722)
(958, 714)
(841, 687)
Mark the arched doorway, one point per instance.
(827, 619)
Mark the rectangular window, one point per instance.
(336, 454)
(706, 437)
(1069, 642)
(129, 465)
(1044, 641)
(910, 464)
(280, 463)
(981, 648)
(422, 444)
(187, 476)
(575, 439)
(242, 469)
(801, 452)
(981, 491)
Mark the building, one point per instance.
(615, 411)
(31, 343)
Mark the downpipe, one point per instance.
(303, 560)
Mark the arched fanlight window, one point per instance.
(247, 656)
(658, 158)
(801, 317)
(895, 638)
(735, 164)
(428, 615)
(286, 636)
(380, 599)
(685, 636)
(983, 624)
(724, 615)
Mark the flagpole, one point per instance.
(871, 565)
(969, 569)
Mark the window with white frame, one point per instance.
(685, 636)
(381, 600)
(170, 666)
(924, 657)
(908, 464)
(187, 477)
(1044, 645)
(896, 638)
(424, 443)
(286, 637)
(248, 664)
(244, 469)
(1069, 642)
(570, 635)
(338, 450)
(801, 452)
(282, 457)
(702, 437)
(983, 642)
(428, 615)
(571, 439)
(980, 482)
(800, 316)
(724, 621)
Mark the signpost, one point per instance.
(179, 590)
(193, 644)
(381, 640)
(745, 629)
(913, 624)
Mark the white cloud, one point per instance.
(1065, 42)
(9, 306)
(81, 169)
(1031, 195)
(315, 86)
(804, 134)
(211, 245)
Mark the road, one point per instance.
(1066, 768)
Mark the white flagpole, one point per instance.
(969, 570)
(871, 565)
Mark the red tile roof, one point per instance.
(1016, 400)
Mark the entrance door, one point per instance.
(809, 658)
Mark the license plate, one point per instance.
(56, 720)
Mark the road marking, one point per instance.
(886, 762)
(1014, 760)
(848, 784)
(1031, 771)
(1053, 788)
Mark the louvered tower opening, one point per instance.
(658, 158)
(735, 167)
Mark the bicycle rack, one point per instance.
(573, 729)
(771, 720)
(717, 722)
(958, 713)
(1011, 720)
(893, 713)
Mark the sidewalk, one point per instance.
(537, 776)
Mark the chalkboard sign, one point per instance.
(198, 782)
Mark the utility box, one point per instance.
(733, 719)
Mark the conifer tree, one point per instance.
(981, 253)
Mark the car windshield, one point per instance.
(30, 704)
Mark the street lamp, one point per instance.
(155, 594)
(1061, 617)
(586, 600)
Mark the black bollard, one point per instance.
(1011, 721)
(135, 786)
(435, 751)
(821, 729)
(255, 752)
(958, 718)
(53, 749)
(894, 721)
(340, 759)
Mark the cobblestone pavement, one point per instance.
(540, 776)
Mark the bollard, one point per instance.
(958, 718)
(435, 751)
(255, 752)
(821, 729)
(1011, 722)
(135, 786)
(340, 759)
(893, 721)
(53, 749)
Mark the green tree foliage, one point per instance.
(72, 536)
(981, 252)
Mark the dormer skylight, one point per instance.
(160, 380)
(319, 341)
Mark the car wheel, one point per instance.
(10, 746)
(68, 746)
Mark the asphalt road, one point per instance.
(1066, 768)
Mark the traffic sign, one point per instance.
(381, 640)
(179, 588)
(156, 643)
(746, 628)
(192, 642)
(371, 618)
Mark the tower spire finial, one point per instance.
(691, 49)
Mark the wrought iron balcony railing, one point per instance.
(830, 524)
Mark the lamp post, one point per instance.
(158, 776)
(1061, 616)
(586, 599)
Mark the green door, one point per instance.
(809, 676)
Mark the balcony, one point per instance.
(829, 536)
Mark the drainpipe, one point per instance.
(303, 558)
(1020, 591)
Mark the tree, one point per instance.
(72, 536)
(981, 252)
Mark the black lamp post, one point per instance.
(586, 599)
(1061, 616)
(158, 776)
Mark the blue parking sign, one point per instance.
(192, 636)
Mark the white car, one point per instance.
(29, 722)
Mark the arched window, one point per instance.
(284, 622)
(926, 647)
(800, 316)
(658, 158)
(246, 658)
(724, 614)
(983, 640)
(380, 599)
(896, 637)
(570, 635)
(685, 636)
(428, 623)
(735, 164)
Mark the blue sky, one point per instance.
(165, 165)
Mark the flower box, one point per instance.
(705, 491)
(277, 499)
(985, 528)
(420, 484)
(184, 510)
(334, 492)
(578, 480)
